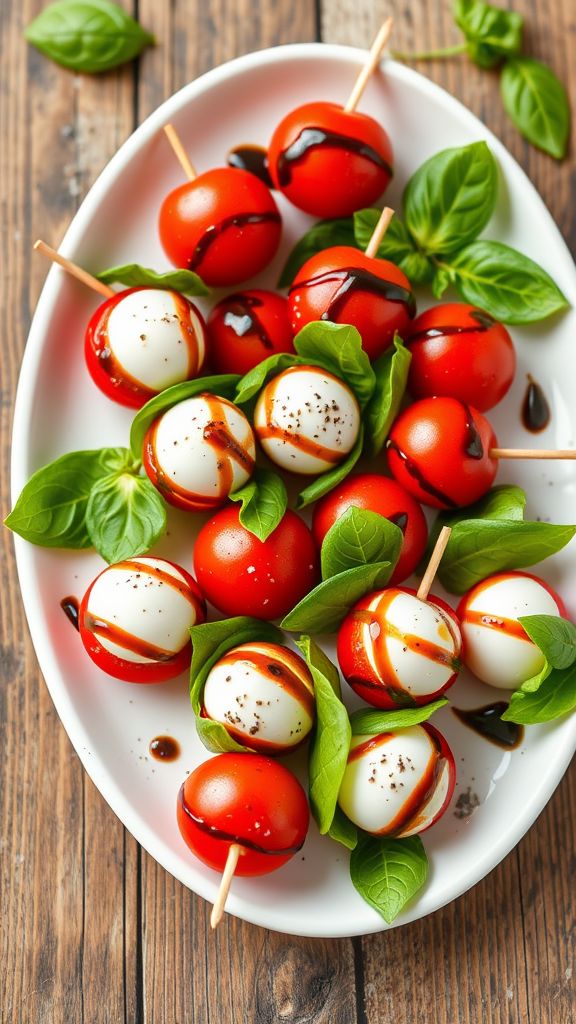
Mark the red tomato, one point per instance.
(246, 328)
(330, 162)
(247, 799)
(439, 450)
(224, 225)
(345, 286)
(242, 575)
(462, 352)
(386, 497)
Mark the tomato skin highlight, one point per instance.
(379, 494)
(246, 328)
(331, 180)
(439, 451)
(314, 296)
(475, 365)
(243, 797)
(242, 575)
(198, 229)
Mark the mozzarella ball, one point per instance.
(496, 647)
(263, 695)
(136, 616)
(395, 649)
(307, 420)
(397, 783)
(199, 451)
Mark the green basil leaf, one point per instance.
(441, 281)
(252, 382)
(125, 516)
(388, 872)
(330, 743)
(366, 722)
(338, 349)
(418, 268)
(324, 608)
(451, 197)
(322, 235)
(264, 502)
(133, 276)
(491, 32)
(504, 282)
(543, 698)
(210, 642)
(51, 509)
(397, 243)
(507, 501)
(537, 103)
(343, 830)
(391, 370)
(87, 35)
(359, 537)
(556, 638)
(327, 481)
(223, 385)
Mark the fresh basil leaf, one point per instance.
(338, 349)
(359, 537)
(504, 282)
(343, 830)
(322, 235)
(556, 638)
(264, 502)
(133, 276)
(441, 281)
(223, 385)
(330, 743)
(388, 872)
(366, 722)
(507, 501)
(125, 516)
(451, 197)
(210, 642)
(492, 33)
(327, 481)
(324, 608)
(543, 698)
(252, 382)
(419, 269)
(87, 35)
(397, 243)
(391, 370)
(51, 509)
(537, 103)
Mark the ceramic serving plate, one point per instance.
(59, 409)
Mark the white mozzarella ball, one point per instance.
(263, 695)
(496, 648)
(201, 449)
(396, 783)
(307, 420)
(156, 337)
(141, 610)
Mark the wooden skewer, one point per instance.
(227, 876)
(379, 231)
(370, 66)
(73, 269)
(432, 567)
(533, 453)
(180, 152)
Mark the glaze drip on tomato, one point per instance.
(216, 833)
(237, 220)
(354, 279)
(414, 470)
(253, 159)
(483, 323)
(242, 318)
(313, 138)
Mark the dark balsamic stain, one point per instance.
(70, 607)
(417, 475)
(164, 748)
(483, 321)
(354, 279)
(314, 138)
(473, 444)
(400, 519)
(228, 837)
(240, 317)
(238, 220)
(535, 408)
(487, 721)
(253, 159)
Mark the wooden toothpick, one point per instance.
(533, 453)
(371, 64)
(227, 876)
(379, 231)
(73, 269)
(180, 152)
(432, 567)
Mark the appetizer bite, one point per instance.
(246, 328)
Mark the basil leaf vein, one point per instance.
(125, 516)
(359, 537)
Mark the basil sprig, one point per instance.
(222, 385)
(263, 502)
(133, 276)
(552, 692)
(369, 722)
(87, 35)
(491, 33)
(388, 872)
(210, 642)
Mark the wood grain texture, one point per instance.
(92, 930)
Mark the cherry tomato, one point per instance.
(344, 285)
(224, 225)
(386, 497)
(242, 575)
(144, 340)
(246, 328)
(462, 352)
(247, 799)
(328, 161)
(439, 450)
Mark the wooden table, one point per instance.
(92, 929)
